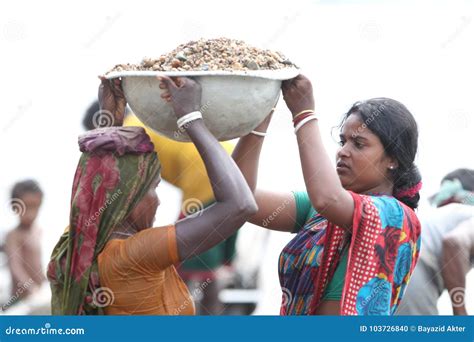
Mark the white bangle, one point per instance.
(260, 134)
(304, 121)
(188, 118)
(195, 114)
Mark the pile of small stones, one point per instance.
(212, 54)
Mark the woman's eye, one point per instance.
(358, 145)
(341, 143)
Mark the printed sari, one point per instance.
(384, 245)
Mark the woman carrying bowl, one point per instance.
(109, 260)
(357, 236)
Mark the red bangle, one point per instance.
(301, 118)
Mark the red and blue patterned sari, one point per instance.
(383, 251)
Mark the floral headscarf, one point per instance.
(116, 169)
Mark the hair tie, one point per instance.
(410, 192)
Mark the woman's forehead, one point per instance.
(354, 127)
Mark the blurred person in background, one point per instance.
(357, 235)
(183, 167)
(23, 244)
(109, 260)
(448, 248)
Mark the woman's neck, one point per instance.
(382, 189)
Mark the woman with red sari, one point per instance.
(109, 260)
(357, 236)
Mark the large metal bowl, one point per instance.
(233, 103)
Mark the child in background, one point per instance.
(22, 244)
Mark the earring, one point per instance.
(391, 167)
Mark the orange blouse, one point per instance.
(139, 271)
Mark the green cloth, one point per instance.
(304, 210)
(452, 191)
(334, 289)
(221, 254)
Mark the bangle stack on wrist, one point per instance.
(303, 112)
(184, 120)
(303, 117)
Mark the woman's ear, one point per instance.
(392, 163)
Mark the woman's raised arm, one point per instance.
(234, 200)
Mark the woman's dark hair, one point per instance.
(88, 120)
(465, 176)
(397, 130)
(91, 119)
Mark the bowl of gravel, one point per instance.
(240, 85)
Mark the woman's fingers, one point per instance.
(104, 88)
(168, 82)
(173, 82)
(109, 83)
(115, 86)
(166, 97)
(165, 94)
(179, 81)
(104, 83)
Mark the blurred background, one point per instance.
(418, 52)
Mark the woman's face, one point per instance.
(143, 215)
(362, 164)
